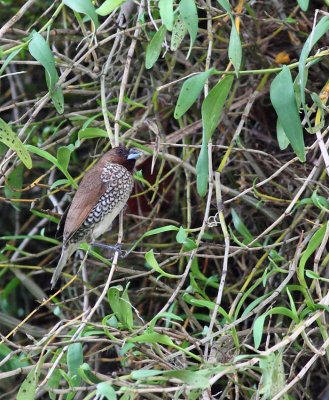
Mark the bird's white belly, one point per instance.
(106, 222)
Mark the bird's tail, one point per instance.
(66, 253)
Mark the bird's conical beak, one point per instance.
(134, 154)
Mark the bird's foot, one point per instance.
(115, 248)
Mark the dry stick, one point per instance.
(125, 75)
(225, 264)
(16, 17)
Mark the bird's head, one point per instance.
(123, 156)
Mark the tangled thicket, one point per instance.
(221, 296)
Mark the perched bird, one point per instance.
(102, 194)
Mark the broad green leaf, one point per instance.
(85, 7)
(108, 6)
(153, 49)
(320, 29)
(190, 91)
(151, 260)
(14, 181)
(106, 389)
(167, 13)
(213, 105)
(39, 49)
(235, 48)
(284, 102)
(282, 137)
(10, 139)
(303, 4)
(178, 33)
(273, 379)
(182, 237)
(63, 157)
(121, 305)
(74, 361)
(211, 111)
(85, 372)
(189, 14)
(144, 373)
(155, 231)
(28, 388)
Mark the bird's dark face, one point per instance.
(123, 156)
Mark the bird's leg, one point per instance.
(116, 247)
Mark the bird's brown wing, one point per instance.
(86, 197)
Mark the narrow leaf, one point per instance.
(190, 91)
(284, 102)
(10, 139)
(235, 48)
(151, 260)
(189, 13)
(303, 4)
(154, 47)
(85, 7)
(108, 6)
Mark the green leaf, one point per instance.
(312, 246)
(235, 48)
(281, 136)
(91, 133)
(39, 49)
(84, 7)
(167, 13)
(226, 5)
(182, 238)
(10, 57)
(108, 6)
(74, 361)
(121, 305)
(153, 49)
(144, 373)
(211, 110)
(196, 379)
(178, 33)
(63, 157)
(44, 154)
(241, 227)
(14, 181)
(10, 139)
(284, 102)
(190, 91)
(273, 380)
(303, 4)
(106, 389)
(320, 29)
(213, 105)
(257, 330)
(189, 14)
(152, 262)
(28, 388)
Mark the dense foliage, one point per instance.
(224, 290)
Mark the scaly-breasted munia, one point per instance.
(102, 194)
